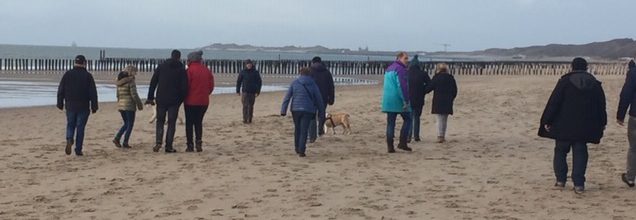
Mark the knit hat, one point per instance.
(316, 60)
(579, 64)
(80, 59)
(195, 56)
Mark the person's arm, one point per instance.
(602, 105)
(331, 90)
(239, 82)
(287, 99)
(259, 83)
(431, 85)
(211, 83)
(92, 94)
(454, 87)
(60, 93)
(318, 101)
(153, 85)
(183, 86)
(553, 106)
(133, 92)
(626, 97)
(403, 84)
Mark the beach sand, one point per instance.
(493, 167)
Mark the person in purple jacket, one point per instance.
(396, 101)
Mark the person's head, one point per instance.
(195, 56)
(130, 70)
(176, 54)
(249, 64)
(316, 59)
(579, 64)
(441, 68)
(304, 71)
(80, 60)
(403, 58)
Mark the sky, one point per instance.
(413, 25)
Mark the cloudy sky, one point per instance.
(378, 24)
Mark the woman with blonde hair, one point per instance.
(128, 102)
(445, 87)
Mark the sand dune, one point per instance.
(493, 167)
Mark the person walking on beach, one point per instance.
(170, 81)
(128, 102)
(305, 98)
(396, 101)
(200, 86)
(418, 80)
(445, 87)
(324, 80)
(628, 101)
(574, 116)
(250, 81)
(78, 93)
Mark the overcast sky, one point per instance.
(378, 24)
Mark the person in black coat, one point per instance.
(445, 87)
(250, 80)
(78, 93)
(324, 80)
(170, 80)
(574, 116)
(628, 101)
(418, 80)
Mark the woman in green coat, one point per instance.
(128, 102)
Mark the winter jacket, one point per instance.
(628, 95)
(576, 110)
(200, 84)
(170, 81)
(250, 80)
(127, 96)
(395, 97)
(418, 80)
(324, 80)
(445, 89)
(304, 96)
(77, 91)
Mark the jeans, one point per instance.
(301, 127)
(129, 122)
(194, 119)
(631, 153)
(248, 100)
(417, 114)
(172, 112)
(579, 161)
(317, 127)
(442, 122)
(76, 122)
(390, 125)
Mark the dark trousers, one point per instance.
(317, 125)
(194, 119)
(390, 125)
(301, 128)
(129, 121)
(248, 100)
(172, 112)
(417, 115)
(579, 161)
(76, 123)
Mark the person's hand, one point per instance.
(140, 107)
(257, 94)
(547, 127)
(60, 107)
(405, 106)
(150, 102)
(94, 111)
(620, 122)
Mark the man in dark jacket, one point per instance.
(77, 91)
(628, 100)
(418, 79)
(574, 116)
(324, 80)
(250, 80)
(171, 83)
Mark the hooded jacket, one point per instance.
(200, 84)
(575, 111)
(170, 81)
(628, 94)
(324, 80)
(127, 96)
(250, 80)
(395, 97)
(77, 91)
(418, 80)
(304, 96)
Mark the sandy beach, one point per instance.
(493, 167)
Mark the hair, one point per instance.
(131, 70)
(176, 54)
(441, 68)
(401, 54)
(579, 64)
(316, 59)
(304, 71)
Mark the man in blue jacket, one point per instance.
(628, 100)
(396, 101)
(250, 81)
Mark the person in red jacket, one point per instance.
(200, 86)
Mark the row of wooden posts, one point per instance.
(113, 66)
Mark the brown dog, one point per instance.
(338, 119)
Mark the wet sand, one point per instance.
(493, 167)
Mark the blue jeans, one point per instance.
(301, 128)
(579, 161)
(76, 122)
(129, 122)
(390, 125)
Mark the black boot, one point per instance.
(157, 147)
(403, 144)
(389, 144)
(190, 147)
(199, 146)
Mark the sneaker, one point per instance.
(69, 146)
(441, 139)
(126, 146)
(627, 181)
(559, 185)
(579, 189)
(170, 151)
(418, 140)
(156, 148)
(117, 144)
(302, 155)
(199, 146)
(79, 153)
(312, 141)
